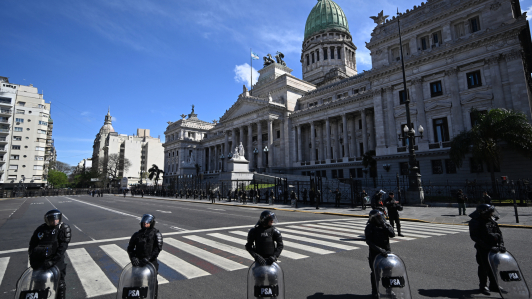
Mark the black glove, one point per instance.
(384, 253)
(502, 249)
(48, 264)
(495, 249)
(272, 259)
(260, 260)
(135, 261)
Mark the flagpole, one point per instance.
(251, 83)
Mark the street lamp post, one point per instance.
(222, 157)
(415, 191)
(266, 150)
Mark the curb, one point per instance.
(329, 213)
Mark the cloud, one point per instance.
(288, 41)
(70, 139)
(85, 113)
(113, 118)
(363, 60)
(243, 74)
(529, 13)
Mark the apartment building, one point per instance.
(26, 144)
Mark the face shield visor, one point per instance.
(495, 214)
(147, 218)
(50, 218)
(267, 217)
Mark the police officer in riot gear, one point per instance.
(264, 240)
(48, 245)
(378, 234)
(485, 232)
(394, 207)
(146, 244)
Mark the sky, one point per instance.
(149, 61)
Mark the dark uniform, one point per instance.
(305, 195)
(485, 232)
(48, 245)
(146, 244)
(461, 200)
(378, 234)
(264, 242)
(393, 212)
(337, 197)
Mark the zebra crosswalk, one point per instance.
(191, 255)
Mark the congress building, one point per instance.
(458, 55)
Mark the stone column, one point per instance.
(240, 136)
(313, 142)
(233, 140)
(294, 147)
(420, 105)
(391, 135)
(226, 149)
(353, 141)
(364, 131)
(328, 138)
(371, 131)
(250, 146)
(299, 145)
(346, 141)
(337, 137)
(281, 144)
(259, 143)
(379, 132)
(456, 110)
(496, 82)
(270, 142)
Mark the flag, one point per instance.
(254, 56)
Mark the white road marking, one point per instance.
(3, 266)
(361, 229)
(303, 247)
(242, 242)
(56, 207)
(177, 228)
(308, 231)
(121, 257)
(180, 266)
(436, 226)
(94, 281)
(221, 246)
(360, 233)
(216, 209)
(407, 230)
(212, 258)
(107, 209)
(320, 242)
(165, 212)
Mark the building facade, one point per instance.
(26, 144)
(141, 150)
(458, 55)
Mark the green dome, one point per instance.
(326, 15)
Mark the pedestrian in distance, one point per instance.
(485, 232)
(337, 197)
(305, 195)
(92, 193)
(229, 195)
(378, 234)
(363, 195)
(394, 207)
(264, 241)
(461, 199)
(48, 245)
(145, 245)
(124, 191)
(211, 196)
(142, 193)
(244, 197)
(318, 199)
(486, 198)
(272, 195)
(293, 198)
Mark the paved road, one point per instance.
(204, 256)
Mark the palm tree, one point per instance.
(155, 172)
(486, 138)
(368, 160)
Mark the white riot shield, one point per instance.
(391, 278)
(137, 282)
(40, 283)
(509, 276)
(265, 281)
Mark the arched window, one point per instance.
(312, 57)
(308, 61)
(324, 53)
(338, 49)
(332, 52)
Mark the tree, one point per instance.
(61, 166)
(116, 165)
(57, 179)
(368, 160)
(492, 131)
(155, 172)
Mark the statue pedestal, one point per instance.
(237, 169)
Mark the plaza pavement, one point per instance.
(444, 215)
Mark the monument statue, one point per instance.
(241, 150)
(279, 57)
(380, 18)
(235, 154)
(268, 59)
(192, 110)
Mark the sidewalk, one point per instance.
(442, 215)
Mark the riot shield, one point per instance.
(39, 283)
(137, 282)
(265, 281)
(391, 278)
(509, 276)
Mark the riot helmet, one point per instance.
(147, 218)
(51, 216)
(265, 218)
(487, 211)
(377, 217)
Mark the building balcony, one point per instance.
(4, 131)
(3, 140)
(3, 150)
(6, 112)
(4, 121)
(6, 103)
